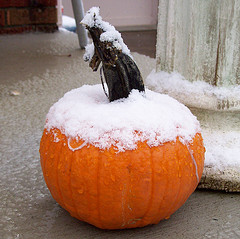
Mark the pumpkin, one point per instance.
(106, 185)
(120, 190)
(127, 163)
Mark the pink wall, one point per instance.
(122, 13)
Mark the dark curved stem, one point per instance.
(121, 72)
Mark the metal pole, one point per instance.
(78, 12)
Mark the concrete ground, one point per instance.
(35, 71)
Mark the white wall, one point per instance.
(125, 14)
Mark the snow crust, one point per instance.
(85, 113)
(195, 94)
(110, 34)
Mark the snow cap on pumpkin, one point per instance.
(86, 113)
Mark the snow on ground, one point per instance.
(68, 23)
(222, 148)
(194, 94)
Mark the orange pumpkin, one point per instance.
(130, 172)
(115, 190)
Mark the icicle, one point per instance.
(194, 161)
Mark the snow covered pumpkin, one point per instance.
(126, 163)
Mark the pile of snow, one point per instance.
(68, 23)
(156, 118)
(110, 34)
(222, 148)
(194, 94)
(221, 141)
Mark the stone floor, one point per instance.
(35, 71)
(143, 42)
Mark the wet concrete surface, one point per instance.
(42, 67)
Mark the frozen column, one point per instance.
(201, 41)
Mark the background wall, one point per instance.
(124, 14)
(200, 40)
(17, 16)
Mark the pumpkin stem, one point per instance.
(120, 71)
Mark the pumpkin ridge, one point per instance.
(175, 202)
(186, 196)
(181, 197)
(70, 185)
(59, 189)
(128, 188)
(50, 163)
(98, 192)
(63, 175)
(199, 141)
(165, 215)
(152, 185)
(94, 216)
(164, 193)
